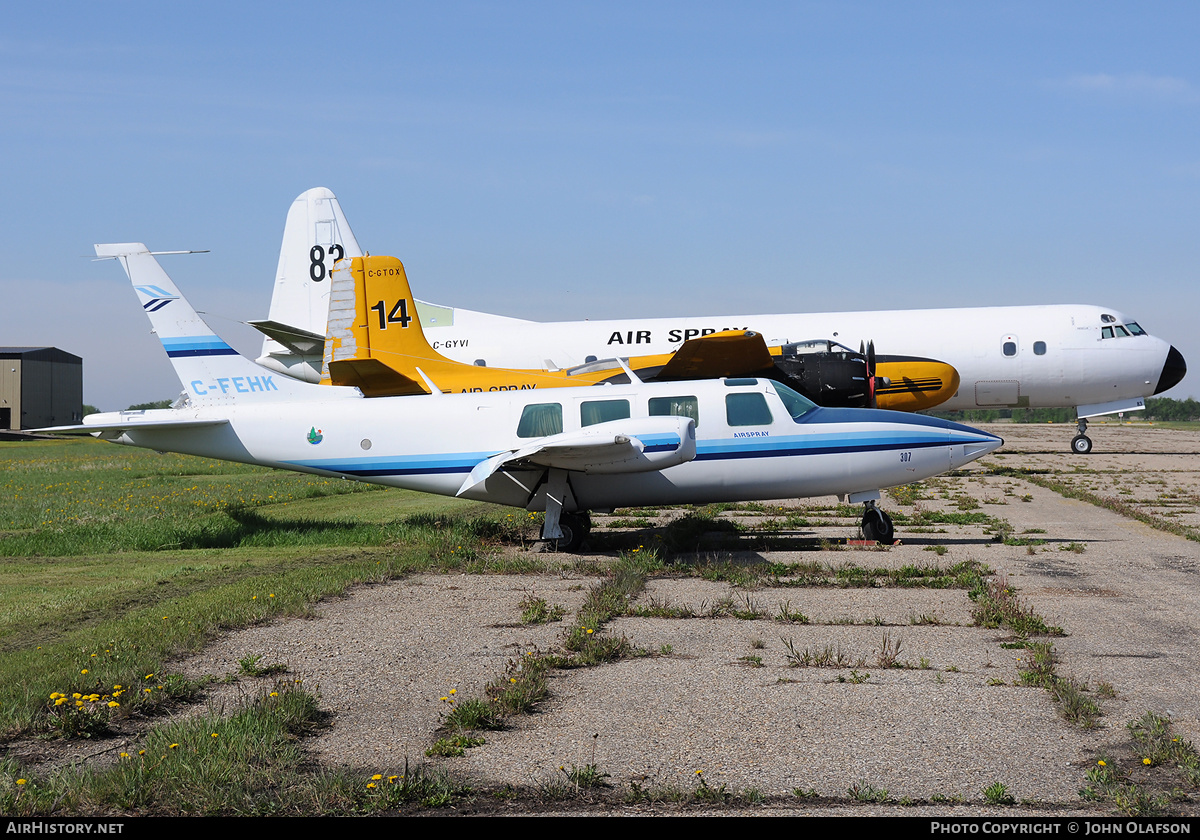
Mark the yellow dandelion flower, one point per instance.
(20, 781)
(124, 755)
(454, 691)
(215, 735)
(1146, 761)
(590, 631)
(173, 746)
(512, 680)
(392, 779)
(112, 704)
(274, 693)
(376, 777)
(1102, 763)
(141, 752)
(84, 671)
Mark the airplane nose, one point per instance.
(1174, 369)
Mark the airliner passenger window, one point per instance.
(675, 407)
(601, 411)
(1010, 348)
(1039, 348)
(747, 410)
(540, 420)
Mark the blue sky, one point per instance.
(571, 160)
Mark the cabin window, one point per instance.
(601, 411)
(1106, 332)
(1039, 348)
(796, 405)
(731, 383)
(540, 420)
(675, 407)
(1010, 348)
(747, 410)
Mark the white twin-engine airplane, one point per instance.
(564, 451)
(1091, 358)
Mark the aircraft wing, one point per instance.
(644, 444)
(728, 353)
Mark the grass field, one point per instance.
(113, 559)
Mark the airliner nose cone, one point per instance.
(1173, 371)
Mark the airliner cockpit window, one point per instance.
(1122, 332)
(1135, 329)
(1106, 332)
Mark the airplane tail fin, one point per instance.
(374, 331)
(315, 236)
(211, 371)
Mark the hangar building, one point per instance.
(39, 386)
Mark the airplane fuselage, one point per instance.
(432, 443)
(1008, 356)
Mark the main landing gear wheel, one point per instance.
(575, 527)
(877, 525)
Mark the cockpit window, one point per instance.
(1106, 332)
(1135, 329)
(796, 405)
(1107, 319)
(1121, 331)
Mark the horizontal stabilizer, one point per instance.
(297, 340)
(374, 378)
(121, 422)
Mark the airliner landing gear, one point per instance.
(877, 525)
(1081, 444)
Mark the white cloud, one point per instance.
(1134, 86)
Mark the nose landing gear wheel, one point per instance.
(1081, 444)
(877, 525)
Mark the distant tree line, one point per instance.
(1157, 408)
(91, 409)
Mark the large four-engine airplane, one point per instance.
(317, 235)
(375, 344)
(1094, 359)
(564, 451)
